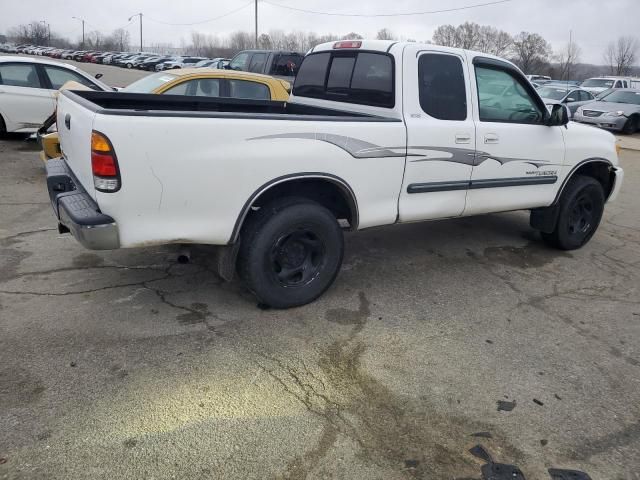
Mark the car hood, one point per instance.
(595, 89)
(613, 107)
(550, 100)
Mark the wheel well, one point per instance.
(601, 171)
(331, 193)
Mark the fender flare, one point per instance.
(339, 182)
(545, 218)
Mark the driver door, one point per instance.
(517, 157)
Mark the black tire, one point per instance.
(3, 126)
(581, 206)
(290, 252)
(630, 126)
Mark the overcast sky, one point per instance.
(594, 22)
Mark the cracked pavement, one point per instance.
(126, 364)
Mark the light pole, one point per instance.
(256, 24)
(138, 15)
(82, 20)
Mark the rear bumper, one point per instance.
(77, 212)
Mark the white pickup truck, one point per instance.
(375, 133)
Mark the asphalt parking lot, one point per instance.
(436, 337)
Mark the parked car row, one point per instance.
(612, 103)
(140, 60)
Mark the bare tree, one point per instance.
(264, 42)
(468, 35)
(445, 35)
(35, 33)
(494, 41)
(530, 52)
(621, 54)
(95, 40)
(385, 34)
(567, 59)
(353, 36)
(240, 41)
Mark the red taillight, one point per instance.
(347, 44)
(104, 164)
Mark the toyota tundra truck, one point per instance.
(375, 133)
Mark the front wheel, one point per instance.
(290, 252)
(630, 126)
(581, 207)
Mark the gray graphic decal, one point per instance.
(355, 147)
(361, 149)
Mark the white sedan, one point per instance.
(28, 88)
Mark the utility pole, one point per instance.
(138, 15)
(82, 20)
(256, 2)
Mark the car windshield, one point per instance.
(553, 93)
(598, 82)
(149, 84)
(623, 96)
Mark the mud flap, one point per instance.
(226, 260)
(544, 219)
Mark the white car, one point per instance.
(374, 133)
(28, 88)
(600, 84)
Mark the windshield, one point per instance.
(150, 83)
(598, 82)
(552, 93)
(623, 96)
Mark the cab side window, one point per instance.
(442, 90)
(239, 62)
(503, 98)
(257, 62)
(19, 75)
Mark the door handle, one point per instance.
(463, 138)
(491, 138)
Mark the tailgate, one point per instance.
(75, 123)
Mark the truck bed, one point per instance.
(143, 104)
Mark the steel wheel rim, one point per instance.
(582, 214)
(297, 257)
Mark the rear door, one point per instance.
(440, 134)
(518, 157)
(24, 99)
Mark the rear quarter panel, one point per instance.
(187, 179)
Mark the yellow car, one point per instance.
(210, 82)
(200, 82)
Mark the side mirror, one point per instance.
(570, 99)
(98, 75)
(559, 115)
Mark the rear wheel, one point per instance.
(631, 126)
(290, 252)
(581, 207)
(3, 126)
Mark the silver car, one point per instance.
(619, 111)
(572, 97)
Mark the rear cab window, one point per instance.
(442, 86)
(360, 77)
